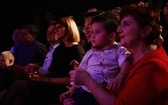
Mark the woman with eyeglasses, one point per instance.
(46, 89)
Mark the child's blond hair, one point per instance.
(7, 55)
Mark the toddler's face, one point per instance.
(4, 62)
(100, 37)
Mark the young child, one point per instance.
(107, 62)
(6, 61)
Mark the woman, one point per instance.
(147, 81)
(46, 90)
(107, 62)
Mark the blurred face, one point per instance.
(16, 35)
(51, 36)
(87, 30)
(4, 62)
(60, 32)
(129, 32)
(165, 13)
(26, 36)
(100, 38)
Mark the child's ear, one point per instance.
(11, 61)
(146, 31)
(112, 36)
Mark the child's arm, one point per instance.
(116, 82)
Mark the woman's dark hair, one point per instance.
(144, 15)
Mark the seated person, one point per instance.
(107, 62)
(52, 39)
(147, 80)
(7, 71)
(46, 89)
(29, 50)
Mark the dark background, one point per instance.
(14, 13)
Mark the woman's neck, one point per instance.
(139, 52)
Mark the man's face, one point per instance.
(26, 36)
(51, 36)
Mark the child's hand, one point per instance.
(66, 95)
(68, 101)
(115, 83)
(74, 64)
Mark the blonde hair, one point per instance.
(8, 55)
(72, 29)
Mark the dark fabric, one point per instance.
(5, 79)
(82, 97)
(88, 46)
(35, 52)
(43, 93)
(11, 74)
(62, 56)
(46, 93)
(17, 72)
(165, 43)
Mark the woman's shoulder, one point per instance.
(77, 47)
(157, 59)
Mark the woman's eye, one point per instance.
(96, 32)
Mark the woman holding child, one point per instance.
(147, 80)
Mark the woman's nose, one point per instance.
(119, 30)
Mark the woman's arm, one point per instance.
(103, 97)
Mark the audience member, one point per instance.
(165, 18)
(110, 60)
(46, 89)
(6, 61)
(7, 71)
(147, 81)
(87, 28)
(16, 38)
(29, 50)
(83, 40)
(165, 27)
(116, 11)
(52, 39)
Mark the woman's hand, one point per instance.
(80, 77)
(38, 77)
(30, 68)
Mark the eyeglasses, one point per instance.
(50, 32)
(86, 28)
